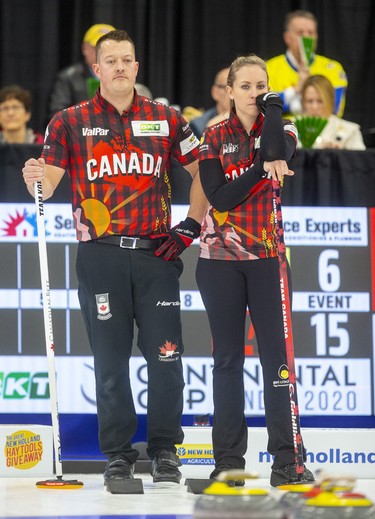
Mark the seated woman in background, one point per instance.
(318, 101)
(15, 113)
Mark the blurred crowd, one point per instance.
(312, 87)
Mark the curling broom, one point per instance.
(59, 482)
(287, 325)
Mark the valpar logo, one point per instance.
(196, 454)
(23, 450)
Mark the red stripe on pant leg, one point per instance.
(372, 251)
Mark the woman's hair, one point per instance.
(16, 92)
(325, 90)
(242, 61)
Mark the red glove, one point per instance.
(179, 238)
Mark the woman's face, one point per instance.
(313, 104)
(250, 81)
(13, 115)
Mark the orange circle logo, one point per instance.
(23, 450)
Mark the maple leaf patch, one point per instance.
(102, 305)
(168, 351)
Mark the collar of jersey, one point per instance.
(236, 123)
(103, 104)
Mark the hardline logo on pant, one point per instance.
(168, 303)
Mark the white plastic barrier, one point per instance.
(26, 450)
(337, 451)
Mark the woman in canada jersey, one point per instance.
(238, 265)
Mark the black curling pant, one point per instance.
(227, 289)
(144, 289)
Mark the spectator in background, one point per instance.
(15, 113)
(289, 71)
(318, 97)
(78, 82)
(142, 90)
(220, 96)
(190, 112)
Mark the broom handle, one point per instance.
(48, 328)
(288, 331)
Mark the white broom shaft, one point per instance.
(48, 328)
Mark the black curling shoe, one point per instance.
(118, 467)
(224, 468)
(164, 467)
(288, 475)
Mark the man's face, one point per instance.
(298, 27)
(116, 67)
(219, 91)
(89, 54)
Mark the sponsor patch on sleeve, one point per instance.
(188, 144)
(291, 128)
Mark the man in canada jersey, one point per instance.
(116, 149)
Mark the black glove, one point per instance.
(268, 99)
(178, 239)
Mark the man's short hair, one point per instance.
(300, 13)
(116, 35)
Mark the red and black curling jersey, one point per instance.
(118, 164)
(248, 230)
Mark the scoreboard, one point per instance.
(331, 253)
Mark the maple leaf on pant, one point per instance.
(168, 349)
